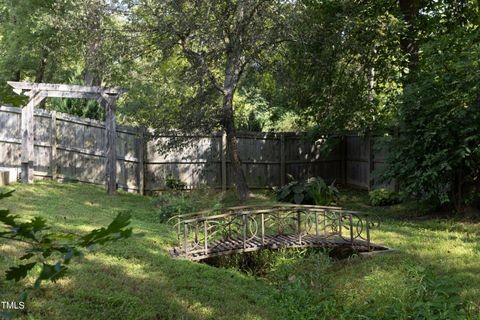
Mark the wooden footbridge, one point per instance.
(225, 231)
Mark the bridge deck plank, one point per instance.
(234, 245)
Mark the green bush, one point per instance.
(175, 204)
(322, 193)
(313, 191)
(295, 192)
(174, 183)
(436, 158)
(383, 197)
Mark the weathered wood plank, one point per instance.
(30, 86)
(111, 136)
(28, 136)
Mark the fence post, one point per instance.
(53, 152)
(344, 160)
(141, 160)
(223, 156)
(282, 159)
(111, 154)
(371, 163)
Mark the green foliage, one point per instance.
(49, 253)
(313, 191)
(342, 72)
(383, 197)
(295, 192)
(437, 156)
(59, 42)
(322, 193)
(174, 183)
(173, 204)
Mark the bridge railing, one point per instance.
(201, 232)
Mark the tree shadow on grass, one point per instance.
(107, 287)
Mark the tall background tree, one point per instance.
(341, 72)
(61, 42)
(436, 156)
(211, 43)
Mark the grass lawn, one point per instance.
(435, 274)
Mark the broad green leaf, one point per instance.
(19, 272)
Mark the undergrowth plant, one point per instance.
(313, 191)
(383, 197)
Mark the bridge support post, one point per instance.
(185, 239)
(340, 224)
(350, 220)
(324, 223)
(179, 232)
(205, 236)
(263, 229)
(244, 216)
(299, 227)
(367, 227)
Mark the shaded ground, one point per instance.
(434, 275)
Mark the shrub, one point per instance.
(436, 158)
(295, 192)
(322, 193)
(313, 191)
(383, 197)
(174, 183)
(176, 205)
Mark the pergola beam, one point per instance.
(29, 86)
(36, 92)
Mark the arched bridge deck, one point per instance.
(225, 231)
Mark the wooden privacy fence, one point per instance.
(69, 147)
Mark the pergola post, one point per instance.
(28, 136)
(37, 92)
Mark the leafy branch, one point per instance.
(53, 251)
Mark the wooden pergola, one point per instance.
(37, 92)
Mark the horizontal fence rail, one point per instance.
(224, 231)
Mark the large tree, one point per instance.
(212, 43)
(436, 156)
(341, 71)
(59, 41)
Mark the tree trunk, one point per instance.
(40, 73)
(229, 125)
(408, 43)
(92, 73)
(17, 75)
